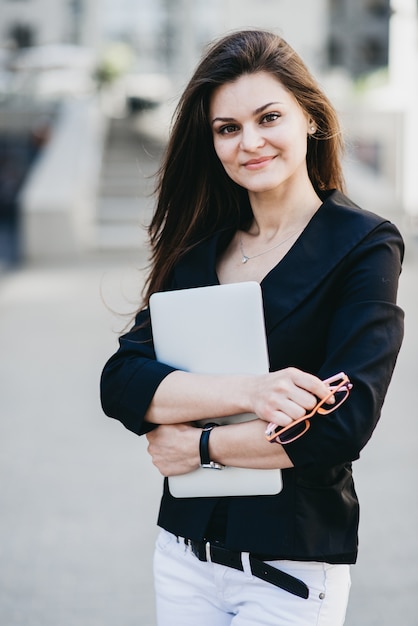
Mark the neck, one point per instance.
(282, 211)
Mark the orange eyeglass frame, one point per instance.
(274, 433)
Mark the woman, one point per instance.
(251, 188)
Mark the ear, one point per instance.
(311, 127)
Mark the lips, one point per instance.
(254, 164)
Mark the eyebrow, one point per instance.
(256, 112)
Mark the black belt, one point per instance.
(206, 551)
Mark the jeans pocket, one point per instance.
(165, 541)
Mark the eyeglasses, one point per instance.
(339, 387)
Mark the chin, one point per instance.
(263, 188)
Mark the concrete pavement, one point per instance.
(79, 496)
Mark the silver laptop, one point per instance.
(215, 330)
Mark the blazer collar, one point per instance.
(336, 228)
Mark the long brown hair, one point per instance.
(195, 195)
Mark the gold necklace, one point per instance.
(245, 257)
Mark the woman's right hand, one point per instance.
(278, 397)
(285, 395)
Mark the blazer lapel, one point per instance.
(336, 228)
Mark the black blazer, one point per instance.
(330, 306)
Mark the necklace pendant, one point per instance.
(245, 258)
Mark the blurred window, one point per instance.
(378, 8)
(374, 51)
(335, 52)
(22, 34)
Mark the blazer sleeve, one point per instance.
(131, 377)
(363, 339)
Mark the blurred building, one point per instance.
(47, 54)
(76, 192)
(168, 35)
(359, 35)
(37, 22)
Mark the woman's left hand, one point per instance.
(174, 448)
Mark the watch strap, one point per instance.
(205, 460)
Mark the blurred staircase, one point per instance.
(125, 201)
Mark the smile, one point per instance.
(255, 164)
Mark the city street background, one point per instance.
(87, 89)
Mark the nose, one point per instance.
(251, 138)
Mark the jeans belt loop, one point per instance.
(207, 550)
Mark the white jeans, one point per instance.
(194, 593)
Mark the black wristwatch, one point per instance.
(204, 448)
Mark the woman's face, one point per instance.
(260, 132)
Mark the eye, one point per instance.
(227, 129)
(270, 117)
